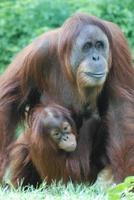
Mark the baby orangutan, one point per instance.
(51, 150)
(40, 153)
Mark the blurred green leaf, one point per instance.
(122, 191)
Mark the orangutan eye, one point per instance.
(87, 46)
(55, 132)
(99, 44)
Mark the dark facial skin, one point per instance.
(89, 58)
(60, 130)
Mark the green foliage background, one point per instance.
(23, 20)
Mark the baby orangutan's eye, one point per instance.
(55, 134)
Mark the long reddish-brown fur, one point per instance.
(38, 71)
(119, 118)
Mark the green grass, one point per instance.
(99, 191)
(57, 192)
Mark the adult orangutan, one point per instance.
(85, 63)
(49, 151)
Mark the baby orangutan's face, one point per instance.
(60, 129)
